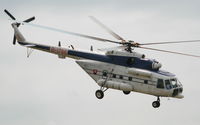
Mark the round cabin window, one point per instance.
(130, 61)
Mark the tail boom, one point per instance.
(60, 51)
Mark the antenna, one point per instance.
(59, 44)
(91, 48)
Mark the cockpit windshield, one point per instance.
(172, 83)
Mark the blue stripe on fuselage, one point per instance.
(113, 59)
(120, 60)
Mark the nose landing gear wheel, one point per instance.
(156, 104)
(99, 94)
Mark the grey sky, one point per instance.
(45, 90)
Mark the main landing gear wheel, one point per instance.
(126, 92)
(99, 94)
(156, 104)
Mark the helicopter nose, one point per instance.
(180, 90)
(177, 93)
(180, 96)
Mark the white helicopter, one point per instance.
(118, 68)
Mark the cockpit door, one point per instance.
(162, 87)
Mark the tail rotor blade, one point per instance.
(9, 14)
(13, 18)
(14, 40)
(29, 20)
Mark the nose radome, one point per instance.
(181, 90)
(180, 96)
(177, 93)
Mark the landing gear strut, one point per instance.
(100, 93)
(156, 104)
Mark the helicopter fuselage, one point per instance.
(117, 72)
(126, 72)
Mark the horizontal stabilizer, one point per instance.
(30, 45)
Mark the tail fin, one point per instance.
(17, 34)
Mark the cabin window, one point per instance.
(114, 75)
(160, 84)
(105, 73)
(130, 61)
(130, 78)
(145, 81)
(121, 77)
(168, 84)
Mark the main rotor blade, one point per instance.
(9, 14)
(169, 51)
(71, 33)
(107, 29)
(156, 43)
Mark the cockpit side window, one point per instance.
(168, 84)
(160, 84)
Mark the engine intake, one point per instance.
(156, 65)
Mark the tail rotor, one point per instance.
(18, 24)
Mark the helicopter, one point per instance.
(120, 68)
